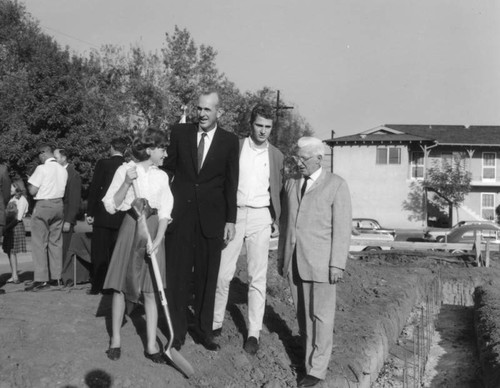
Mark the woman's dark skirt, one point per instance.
(130, 269)
(14, 240)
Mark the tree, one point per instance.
(80, 103)
(451, 182)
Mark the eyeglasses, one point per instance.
(301, 159)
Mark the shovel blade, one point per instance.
(179, 362)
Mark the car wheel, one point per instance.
(372, 249)
(440, 238)
(458, 251)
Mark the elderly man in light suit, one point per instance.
(313, 249)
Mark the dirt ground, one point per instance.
(58, 337)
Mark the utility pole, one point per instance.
(331, 148)
(278, 108)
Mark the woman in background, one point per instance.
(14, 235)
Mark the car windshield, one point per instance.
(365, 224)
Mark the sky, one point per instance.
(344, 65)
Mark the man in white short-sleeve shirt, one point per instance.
(47, 185)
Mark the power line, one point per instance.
(71, 37)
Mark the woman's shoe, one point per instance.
(157, 358)
(13, 279)
(114, 353)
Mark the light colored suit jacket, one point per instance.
(318, 227)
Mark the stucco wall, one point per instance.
(378, 191)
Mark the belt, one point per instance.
(49, 199)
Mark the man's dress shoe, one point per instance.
(207, 341)
(251, 345)
(37, 286)
(56, 283)
(308, 381)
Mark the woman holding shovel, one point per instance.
(139, 188)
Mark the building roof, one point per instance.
(424, 134)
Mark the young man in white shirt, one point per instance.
(259, 185)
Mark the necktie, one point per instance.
(304, 186)
(201, 149)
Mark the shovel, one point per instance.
(176, 359)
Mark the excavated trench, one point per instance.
(450, 338)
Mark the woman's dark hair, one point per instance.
(150, 138)
(20, 187)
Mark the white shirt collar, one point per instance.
(314, 176)
(254, 146)
(210, 134)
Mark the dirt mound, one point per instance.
(57, 338)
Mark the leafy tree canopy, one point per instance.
(80, 103)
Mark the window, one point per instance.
(417, 165)
(488, 206)
(489, 166)
(388, 155)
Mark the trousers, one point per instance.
(46, 239)
(253, 228)
(315, 306)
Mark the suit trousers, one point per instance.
(46, 239)
(315, 306)
(253, 227)
(66, 236)
(192, 268)
(103, 244)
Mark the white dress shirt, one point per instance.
(312, 178)
(208, 141)
(153, 185)
(253, 182)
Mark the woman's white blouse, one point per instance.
(22, 206)
(153, 185)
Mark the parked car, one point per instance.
(438, 234)
(370, 245)
(369, 225)
(467, 234)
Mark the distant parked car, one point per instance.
(370, 245)
(438, 234)
(369, 225)
(467, 234)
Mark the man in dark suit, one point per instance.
(104, 225)
(313, 250)
(71, 200)
(203, 163)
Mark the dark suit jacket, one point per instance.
(103, 175)
(213, 190)
(72, 195)
(4, 192)
(275, 179)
